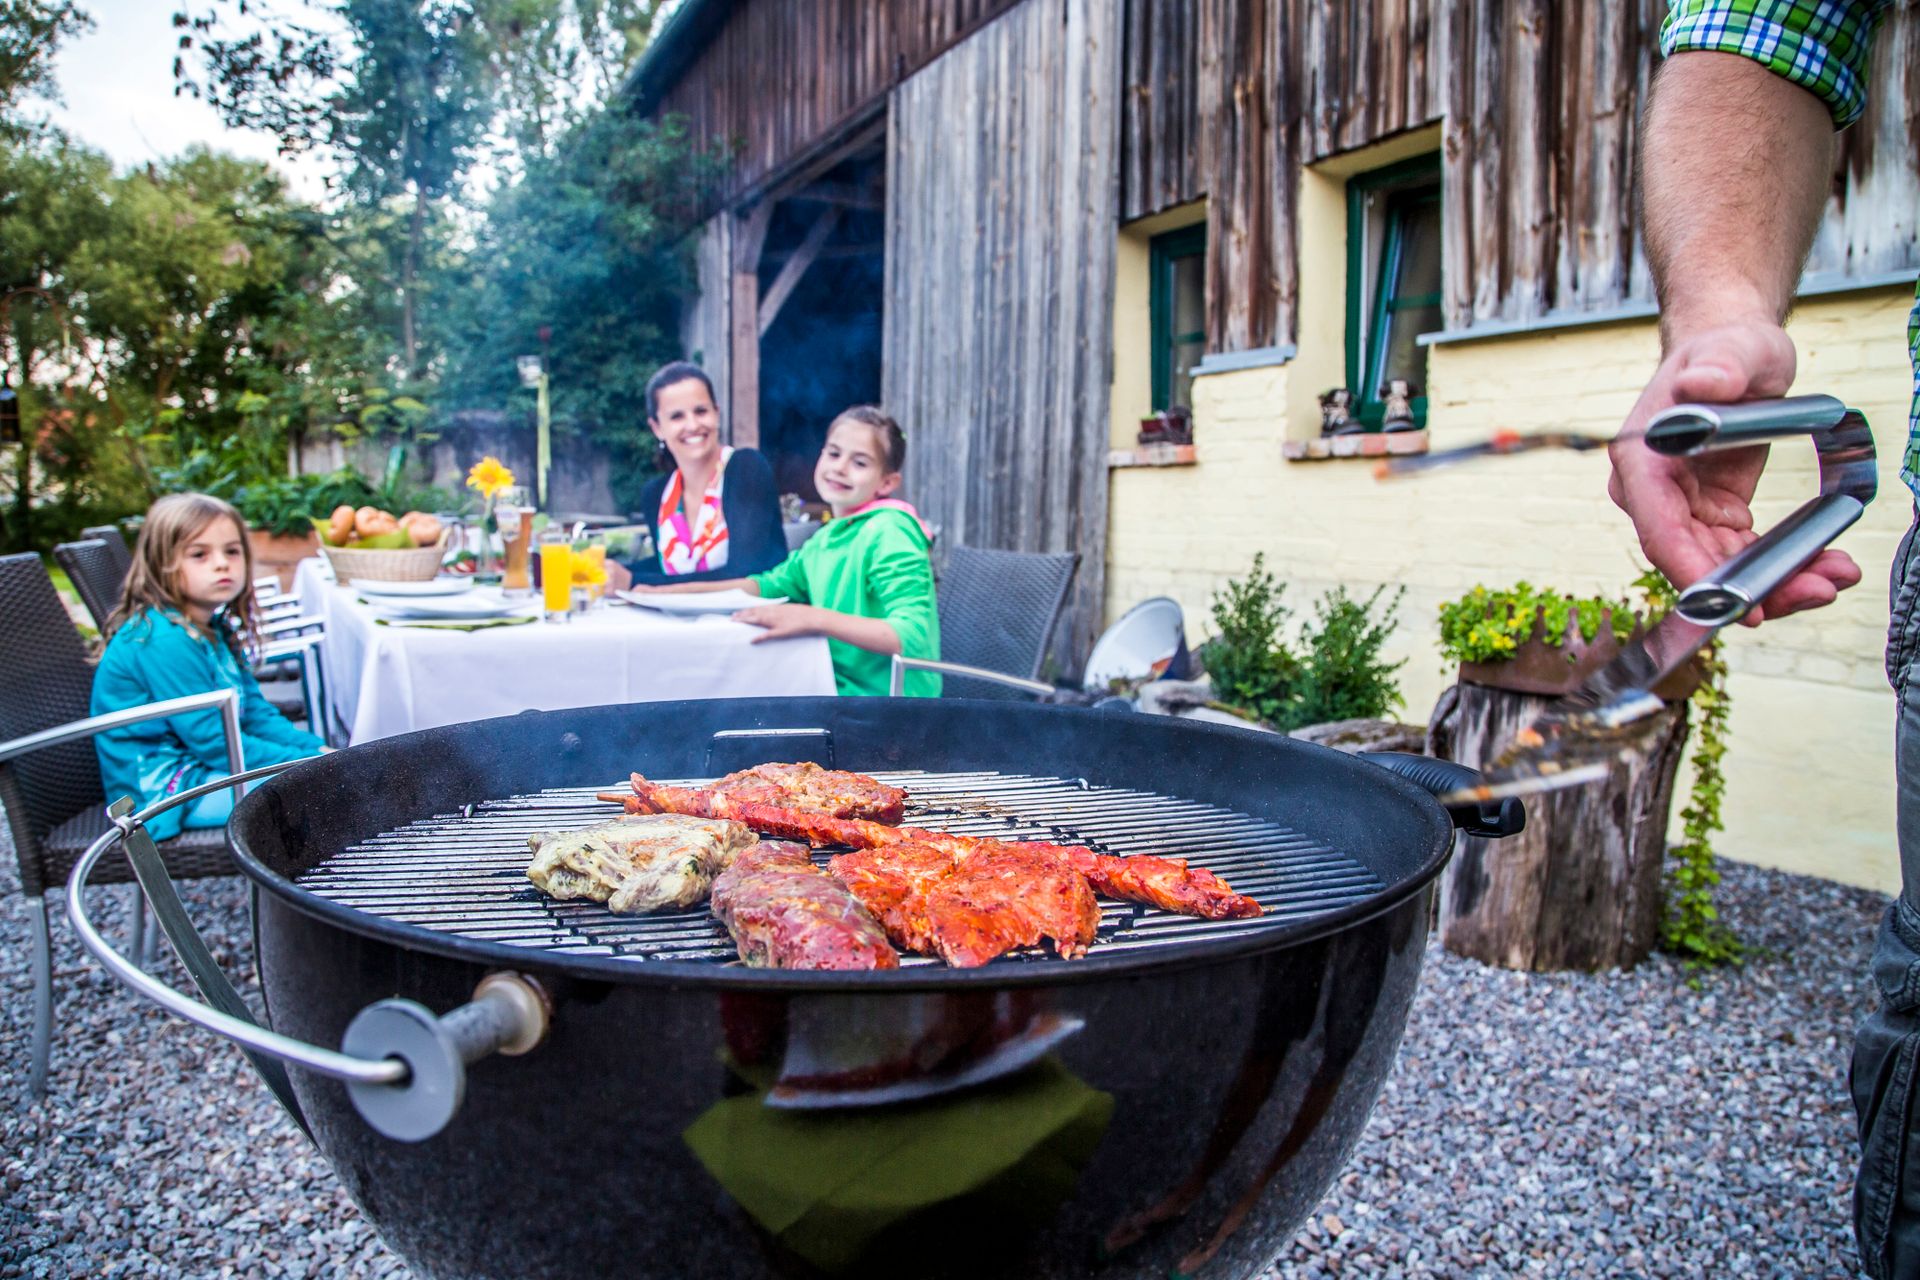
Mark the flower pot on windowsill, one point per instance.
(279, 553)
(1551, 670)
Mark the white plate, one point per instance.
(432, 587)
(472, 604)
(699, 601)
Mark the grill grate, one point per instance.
(465, 873)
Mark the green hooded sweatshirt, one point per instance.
(872, 565)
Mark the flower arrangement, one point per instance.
(489, 476)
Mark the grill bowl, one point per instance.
(1176, 1106)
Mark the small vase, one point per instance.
(486, 564)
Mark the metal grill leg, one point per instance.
(140, 942)
(42, 965)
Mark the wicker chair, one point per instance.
(116, 544)
(98, 574)
(49, 775)
(997, 614)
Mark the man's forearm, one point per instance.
(1735, 170)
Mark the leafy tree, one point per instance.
(30, 32)
(584, 247)
(427, 92)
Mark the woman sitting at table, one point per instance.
(716, 514)
(865, 581)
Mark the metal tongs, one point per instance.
(1580, 736)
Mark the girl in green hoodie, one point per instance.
(864, 582)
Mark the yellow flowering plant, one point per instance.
(489, 476)
(1490, 626)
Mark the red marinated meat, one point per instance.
(786, 913)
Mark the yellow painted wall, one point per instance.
(1810, 784)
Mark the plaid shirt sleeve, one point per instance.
(1820, 45)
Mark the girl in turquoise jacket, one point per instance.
(184, 619)
(865, 581)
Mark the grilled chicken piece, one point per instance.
(970, 911)
(807, 788)
(1167, 883)
(786, 913)
(637, 863)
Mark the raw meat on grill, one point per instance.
(1167, 883)
(637, 863)
(807, 788)
(786, 913)
(970, 911)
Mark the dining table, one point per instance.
(386, 675)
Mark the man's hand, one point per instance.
(782, 621)
(1692, 513)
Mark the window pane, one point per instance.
(1405, 358)
(1186, 358)
(1190, 294)
(1420, 251)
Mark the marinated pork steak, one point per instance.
(968, 911)
(786, 913)
(810, 789)
(637, 864)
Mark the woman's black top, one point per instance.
(749, 500)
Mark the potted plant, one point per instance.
(1539, 641)
(1581, 888)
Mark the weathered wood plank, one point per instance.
(997, 352)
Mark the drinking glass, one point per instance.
(513, 511)
(556, 574)
(592, 550)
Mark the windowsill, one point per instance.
(1231, 361)
(1372, 444)
(1153, 455)
(1817, 286)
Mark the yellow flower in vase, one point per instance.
(489, 476)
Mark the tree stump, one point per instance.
(1580, 888)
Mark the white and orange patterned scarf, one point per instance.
(686, 549)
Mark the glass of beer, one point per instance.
(513, 511)
(556, 574)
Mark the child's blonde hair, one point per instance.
(154, 580)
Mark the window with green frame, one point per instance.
(1393, 282)
(1179, 296)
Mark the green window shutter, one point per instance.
(1169, 254)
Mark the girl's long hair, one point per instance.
(154, 580)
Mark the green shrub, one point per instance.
(1337, 672)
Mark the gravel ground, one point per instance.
(1619, 1125)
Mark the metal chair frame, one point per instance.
(227, 701)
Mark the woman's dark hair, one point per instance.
(668, 375)
(893, 441)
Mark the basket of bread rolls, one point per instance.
(366, 542)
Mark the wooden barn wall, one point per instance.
(1539, 102)
(999, 294)
(706, 318)
(782, 76)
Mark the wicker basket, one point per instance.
(416, 564)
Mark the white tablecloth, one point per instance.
(387, 680)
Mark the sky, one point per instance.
(116, 83)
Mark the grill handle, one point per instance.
(404, 1067)
(1492, 819)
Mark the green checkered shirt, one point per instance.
(1822, 47)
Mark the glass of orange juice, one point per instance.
(556, 574)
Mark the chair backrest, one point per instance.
(998, 610)
(116, 543)
(46, 679)
(96, 574)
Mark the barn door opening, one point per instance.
(821, 291)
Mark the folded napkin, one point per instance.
(838, 1186)
(455, 624)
